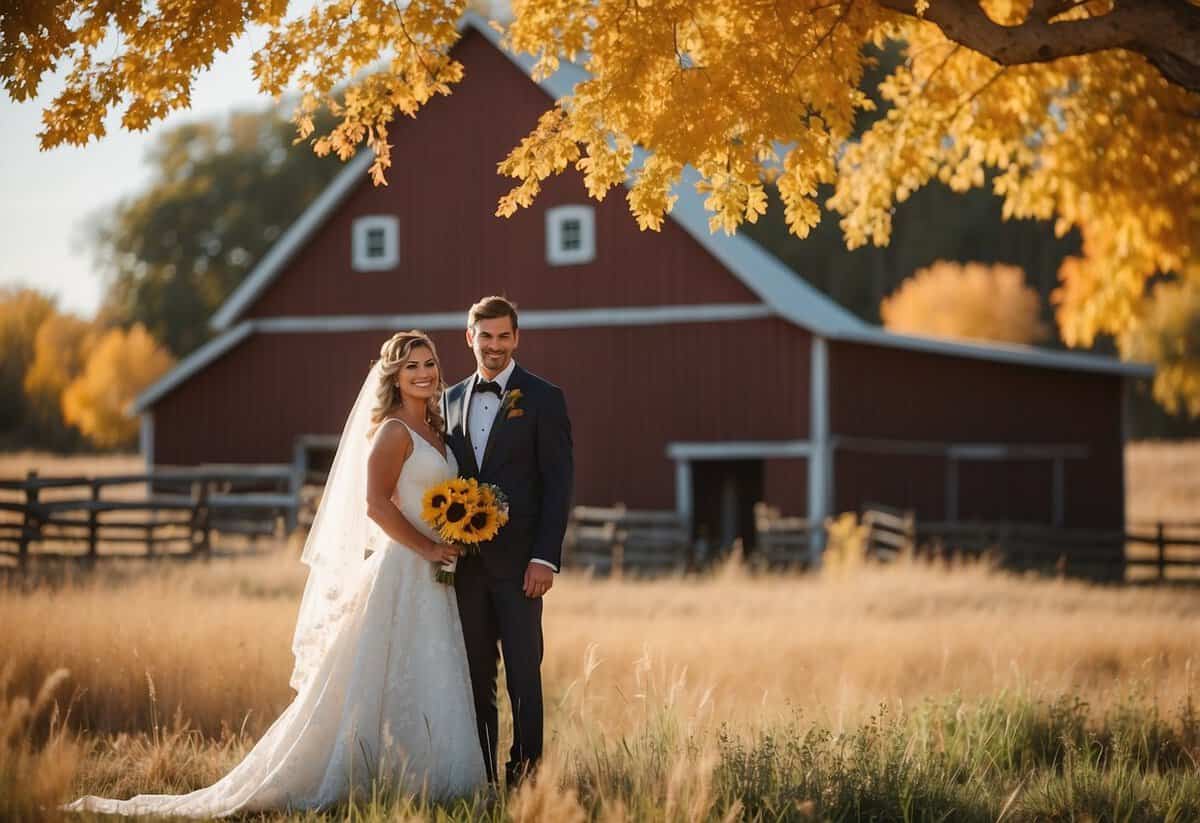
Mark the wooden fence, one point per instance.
(1142, 552)
(181, 508)
(176, 516)
(1155, 548)
(1147, 551)
(616, 539)
(781, 542)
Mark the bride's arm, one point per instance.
(389, 451)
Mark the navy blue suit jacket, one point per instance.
(529, 456)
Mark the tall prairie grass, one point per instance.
(215, 639)
(675, 699)
(39, 755)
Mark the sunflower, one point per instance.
(496, 504)
(465, 511)
(454, 522)
(435, 502)
(484, 523)
(461, 488)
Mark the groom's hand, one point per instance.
(538, 579)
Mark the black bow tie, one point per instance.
(488, 385)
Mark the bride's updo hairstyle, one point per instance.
(392, 356)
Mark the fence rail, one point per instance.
(1156, 548)
(1091, 552)
(176, 516)
(181, 509)
(781, 542)
(616, 539)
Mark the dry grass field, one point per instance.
(1162, 480)
(901, 693)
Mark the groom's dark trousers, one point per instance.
(529, 456)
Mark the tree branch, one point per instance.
(1045, 9)
(1165, 32)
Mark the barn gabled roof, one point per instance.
(784, 292)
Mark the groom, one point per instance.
(510, 428)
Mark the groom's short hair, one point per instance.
(489, 308)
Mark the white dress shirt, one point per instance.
(481, 416)
(484, 407)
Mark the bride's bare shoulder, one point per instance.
(391, 439)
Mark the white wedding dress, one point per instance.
(388, 700)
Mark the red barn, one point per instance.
(700, 372)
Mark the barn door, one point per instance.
(723, 496)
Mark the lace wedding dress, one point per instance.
(388, 698)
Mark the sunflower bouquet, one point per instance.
(463, 512)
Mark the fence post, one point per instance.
(1161, 541)
(200, 522)
(93, 522)
(29, 519)
(295, 485)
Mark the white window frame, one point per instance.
(363, 226)
(556, 255)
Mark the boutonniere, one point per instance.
(511, 399)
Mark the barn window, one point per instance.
(570, 235)
(376, 243)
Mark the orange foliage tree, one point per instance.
(60, 349)
(988, 302)
(1170, 337)
(120, 366)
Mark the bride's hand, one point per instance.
(439, 552)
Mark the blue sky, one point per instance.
(50, 196)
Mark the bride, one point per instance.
(382, 687)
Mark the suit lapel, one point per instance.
(466, 404)
(465, 399)
(501, 424)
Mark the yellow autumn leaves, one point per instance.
(122, 364)
(745, 92)
(62, 371)
(730, 88)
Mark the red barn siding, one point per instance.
(249, 405)
(629, 391)
(1020, 490)
(906, 481)
(909, 395)
(905, 395)
(785, 485)
(453, 250)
